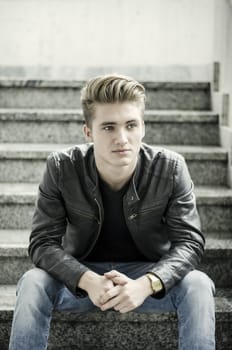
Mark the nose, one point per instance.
(121, 137)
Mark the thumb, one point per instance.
(119, 280)
(116, 277)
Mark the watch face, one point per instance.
(155, 283)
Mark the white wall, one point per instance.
(58, 35)
(223, 55)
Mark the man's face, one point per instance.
(117, 130)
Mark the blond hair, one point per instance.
(112, 88)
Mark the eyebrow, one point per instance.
(114, 123)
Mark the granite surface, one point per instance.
(113, 331)
(58, 94)
(209, 173)
(42, 132)
(41, 151)
(14, 260)
(216, 217)
(24, 169)
(47, 111)
(72, 132)
(39, 97)
(13, 268)
(66, 127)
(175, 116)
(75, 114)
(178, 97)
(17, 206)
(16, 216)
(21, 171)
(182, 134)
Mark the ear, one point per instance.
(88, 133)
(144, 129)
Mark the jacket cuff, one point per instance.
(166, 278)
(73, 285)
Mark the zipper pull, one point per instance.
(131, 217)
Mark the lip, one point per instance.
(121, 151)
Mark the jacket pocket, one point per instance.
(79, 214)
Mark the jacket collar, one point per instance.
(93, 180)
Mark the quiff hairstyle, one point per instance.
(112, 88)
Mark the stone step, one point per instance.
(207, 165)
(110, 330)
(65, 126)
(217, 261)
(19, 93)
(13, 255)
(215, 208)
(17, 206)
(181, 127)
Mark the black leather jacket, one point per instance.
(159, 207)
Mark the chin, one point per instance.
(125, 162)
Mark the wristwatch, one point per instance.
(156, 284)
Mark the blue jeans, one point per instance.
(38, 294)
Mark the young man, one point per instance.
(115, 227)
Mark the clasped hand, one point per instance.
(125, 293)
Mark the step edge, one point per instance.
(41, 151)
(68, 83)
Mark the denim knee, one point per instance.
(35, 283)
(196, 289)
(196, 311)
(198, 281)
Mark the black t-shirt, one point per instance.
(115, 242)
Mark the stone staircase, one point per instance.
(37, 117)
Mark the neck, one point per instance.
(116, 178)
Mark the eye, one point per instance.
(107, 128)
(131, 126)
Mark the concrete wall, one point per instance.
(74, 38)
(223, 55)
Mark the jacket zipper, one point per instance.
(148, 210)
(100, 213)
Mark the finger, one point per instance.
(125, 310)
(112, 303)
(112, 274)
(124, 307)
(119, 280)
(117, 277)
(113, 292)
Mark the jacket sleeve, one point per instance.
(48, 229)
(184, 228)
